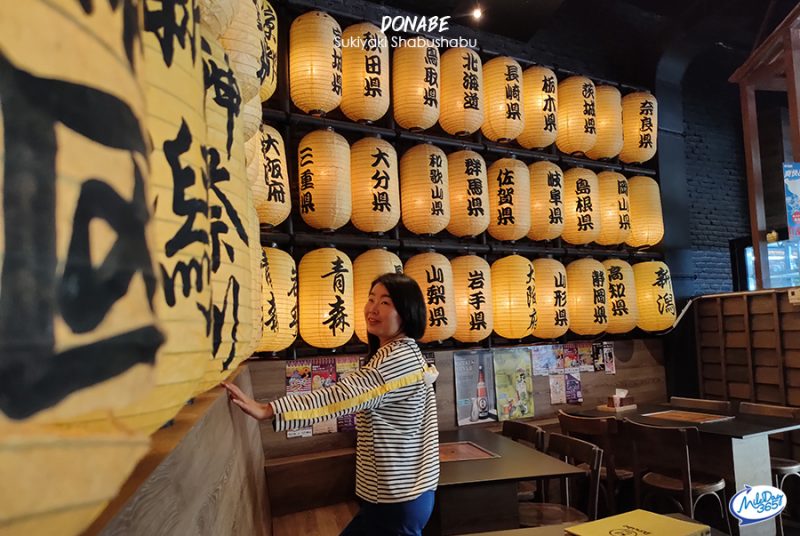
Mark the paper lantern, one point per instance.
(540, 106)
(327, 312)
(581, 220)
(78, 327)
(425, 189)
(587, 297)
(324, 179)
(622, 306)
(469, 198)
(552, 312)
(277, 204)
(577, 131)
(366, 268)
(261, 283)
(513, 297)
(613, 208)
(279, 309)
(178, 195)
(433, 274)
(647, 222)
(657, 309)
(217, 15)
(504, 116)
(509, 200)
(639, 127)
(315, 62)
(365, 77)
(255, 170)
(462, 92)
(547, 201)
(415, 84)
(251, 118)
(609, 123)
(472, 283)
(243, 43)
(78, 271)
(229, 203)
(374, 185)
(268, 25)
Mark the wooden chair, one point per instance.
(601, 432)
(529, 435)
(722, 406)
(781, 468)
(661, 463)
(574, 451)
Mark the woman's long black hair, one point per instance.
(407, 299)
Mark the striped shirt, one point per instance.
(397, 451)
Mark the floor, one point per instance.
(325, 521)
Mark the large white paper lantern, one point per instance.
(639, 127)
(365, 82)
(587, 297)
(469, 198)
(504, 116)
(315, 63)
(374, 185)
(281, 316)
(657, 308)
(609, 123)
(540, 108)
(613, 208)
(647, 221)
(547, 201)
(622, 305)
(268, 25)
(416, 86)
(244, 43)
(552, 313)
(462, 92)
(581, 221)
(425, 189)
(509, 199)
(433, 274)
(514, 297)
(472, 282)
(323, 158)
(577, 131)
(327, 311)
(277, 203)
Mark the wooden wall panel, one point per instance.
(762, 323)
(734, 323)
(732, 306)
(204, 476)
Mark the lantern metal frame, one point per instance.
(297, 238)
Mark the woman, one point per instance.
(397, 451)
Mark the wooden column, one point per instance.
(755, 185)
(792, 58)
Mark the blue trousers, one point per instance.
(396, 519)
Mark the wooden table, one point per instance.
(481, 495)
(736, 449)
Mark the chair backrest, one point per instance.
(527, 434)
(723, 406)
(576, 452)
(664, 450)
(768, 410)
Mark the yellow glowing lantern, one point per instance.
(540, 107)
(365, 80)
(217, 15)
(513, 297)
(268, 25)
(366, 268)
(509, 201)
(278, 203)
(280, 307)
(229, 200)
(639, 127)
(415, 84)
(469, 196)
(324, 179)
(327, 311)
(647, 222)
(609, 123)
(581, 218)
(552, 312)
(244, 42)
(424, 189)
(315, 62)
(472, 282)
(374, 185)
(657, 309)
(261, 283)
(255, 171)
(79, 331)
(613, 208)
(577, 131)
(504, 117)
(622, 306)
(587, 297)
(462, 92)
(547, 201)
(79, 277)
(251, 118)
(178, 194)
(433, 274)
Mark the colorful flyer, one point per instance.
(585, 356)
(558, 349)
(558, 389)
(571, 358)
(323, 375)
(572, 386)
(513, 377)
(346, 365)
(608, 357)
(597, 356)
(544, 360)
(474, 379)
